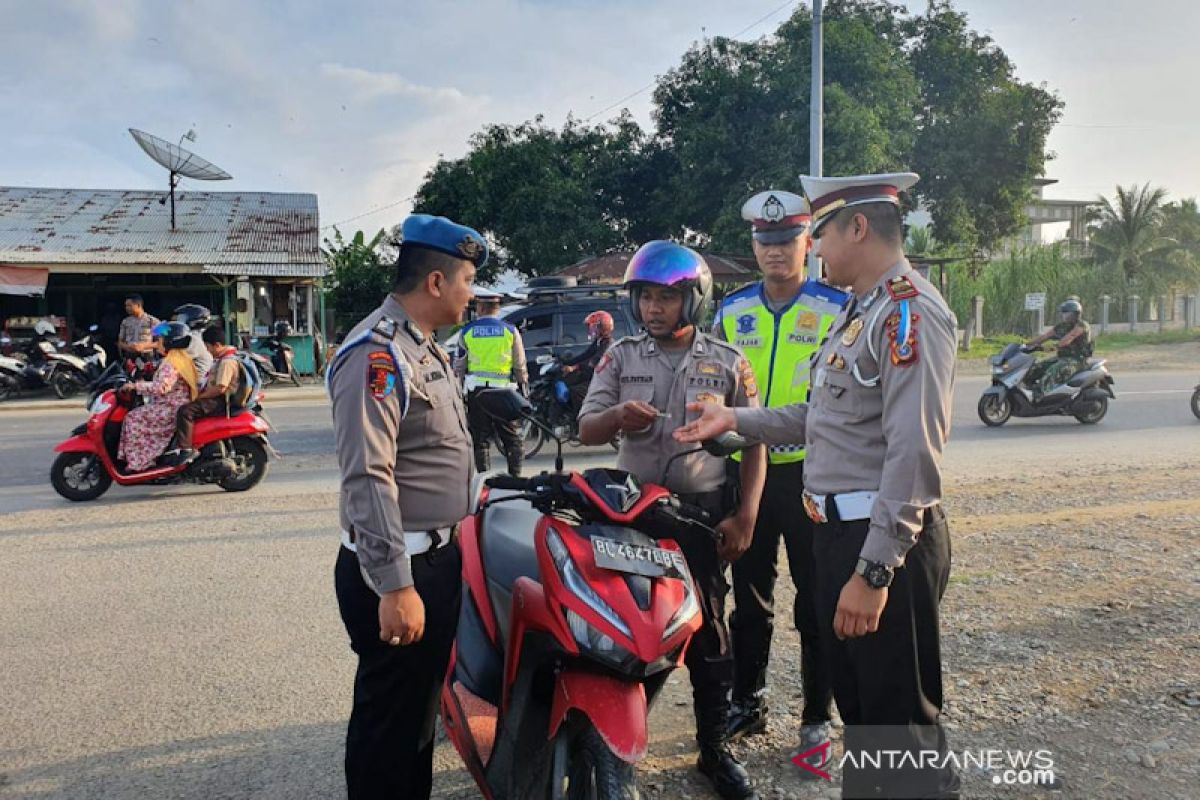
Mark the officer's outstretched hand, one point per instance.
(634, 415)
(714, 420)
(858, 609)
(736, 534)
(401, 617)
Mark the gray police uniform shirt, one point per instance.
(635, 368)
(400, 431)
(136, 330)
(878, 416)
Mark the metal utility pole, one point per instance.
(816, 121)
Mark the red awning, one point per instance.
(26, 281)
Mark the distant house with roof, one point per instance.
(252, 257)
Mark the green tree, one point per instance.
(546, 198)
(981, 136)
(1128, 236)
(358, 276)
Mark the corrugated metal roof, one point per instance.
(268, 270)
(95, 226)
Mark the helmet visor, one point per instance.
(663, 263)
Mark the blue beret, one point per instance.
(445, 236)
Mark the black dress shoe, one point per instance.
(746, 718)
(726, 774)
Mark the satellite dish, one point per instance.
(179, 162)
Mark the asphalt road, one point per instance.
(181, 642)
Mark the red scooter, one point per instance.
(576, 607)
(233, 453)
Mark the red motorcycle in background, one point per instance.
(233, 450)
(577, 605)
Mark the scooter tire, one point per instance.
(1196, 402)
(68, 461)
(1091, 418)
(258, 465)
(994, 418)
(8, 388)
(594, 772)
(533, 441)
(66, 385)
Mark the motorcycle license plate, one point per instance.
(639, 559)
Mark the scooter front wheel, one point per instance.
(532, 438)
(994, 411)
(66, 384)
(79, 476)
(1196, 402)
(586, 769)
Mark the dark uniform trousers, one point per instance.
(751, 624)
(888, 684)
(482, 425)
(389, 741)
(709, 658)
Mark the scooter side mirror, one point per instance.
(725, 444)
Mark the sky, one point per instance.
(355, 101)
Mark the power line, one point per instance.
(650, 85)
(368, 212)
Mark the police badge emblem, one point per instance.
(852, 332)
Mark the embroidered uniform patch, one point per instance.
(709, 368)
(901, 328)
(901, 288)
(707, 397)
(746, 374)
(747, 323)
(381, 374)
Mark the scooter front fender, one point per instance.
(997, 389)
(77, 444)
(616, 708)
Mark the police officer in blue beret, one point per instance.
(404, 452)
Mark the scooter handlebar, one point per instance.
(507, 482)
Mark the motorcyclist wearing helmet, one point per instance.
(41, 343)
(197, 318)
(148, 428)
(641, 388)
(1074, 342)
(578, 370)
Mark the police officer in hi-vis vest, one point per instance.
(404, 451)
(875, 426)
(777, 323)
(491, 354)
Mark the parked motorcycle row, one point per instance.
(43, 364)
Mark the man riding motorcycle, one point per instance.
(578, 369)
(1074, 342)
(197, 318)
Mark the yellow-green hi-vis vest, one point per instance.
(489, 345)
(780, 347)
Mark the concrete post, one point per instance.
(1105, 303)
(977, 316)
(1162, 312)
(1133, 312)
(1189, 302)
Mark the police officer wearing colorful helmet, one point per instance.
(404, 451)
(640, 389)
(778, 323)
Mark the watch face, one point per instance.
(879, 576)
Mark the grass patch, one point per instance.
(989, 346)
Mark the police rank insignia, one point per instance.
(709, 368)
(707, 397)
(852, 331)
(381, 374)
(746, 374)
(901, 288)
(901, 328)
(470, 248)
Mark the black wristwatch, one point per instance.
(877, 576)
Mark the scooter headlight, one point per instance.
(578, 586)
(599, 645)
(686, 613)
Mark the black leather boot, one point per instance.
(747, 716)
(726, 774)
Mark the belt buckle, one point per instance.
(813, 509)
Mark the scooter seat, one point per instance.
(508, 553)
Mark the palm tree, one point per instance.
(1128, 237)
